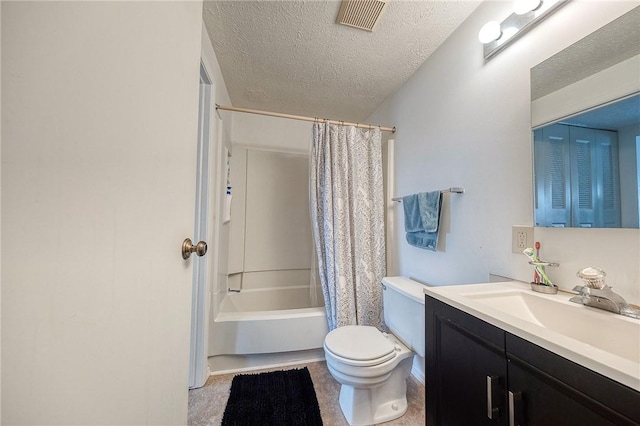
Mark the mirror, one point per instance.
(586, 130)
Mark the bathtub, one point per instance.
(269, 320)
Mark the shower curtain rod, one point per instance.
(303, 118)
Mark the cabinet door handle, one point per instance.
(492, 412)
(515, 411)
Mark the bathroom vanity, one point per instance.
(500, 354)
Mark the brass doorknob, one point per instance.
(188, 247)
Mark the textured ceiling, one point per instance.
(291, 56)
(614, 116)
(611, 44)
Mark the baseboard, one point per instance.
(418, 374)
(226, 364)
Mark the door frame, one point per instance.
(203, 221)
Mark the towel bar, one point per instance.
(454, 189)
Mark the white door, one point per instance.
(99, 123)
(198, 365)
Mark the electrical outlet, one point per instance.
(521, 238)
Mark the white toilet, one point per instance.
(373, 366)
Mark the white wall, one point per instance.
(279, 134)
(464, 122)
(99, 112)
(210, 62)
(222, 230)
(0, 210)
(218, 286)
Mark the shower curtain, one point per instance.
(347, 211)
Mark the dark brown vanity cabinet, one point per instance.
(478, 374)
(465, 359)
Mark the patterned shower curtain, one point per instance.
(347, 212)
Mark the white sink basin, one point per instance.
(609, 332)
(602, 341)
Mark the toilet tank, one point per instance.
(403, 301)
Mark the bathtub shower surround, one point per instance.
(347, 214)
(272, 315)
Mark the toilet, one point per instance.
(372, 366)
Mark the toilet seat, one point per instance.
(360, 346)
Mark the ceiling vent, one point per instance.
(363, 14)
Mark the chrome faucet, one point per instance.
(604, 298)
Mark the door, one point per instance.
(584, 188)
(552, 195)
(465, 368)
(200, 299)
(470, 374)
(538, 399)
(608, 178)
(99, 110)
(595, 178)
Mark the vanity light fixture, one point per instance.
(526, 15)
(522, 7)
(489, 32)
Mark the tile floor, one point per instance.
(206, 405)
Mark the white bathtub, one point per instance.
(269, 320)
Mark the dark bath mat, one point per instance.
(278, 398)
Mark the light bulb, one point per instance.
(522, 7)
(508, 33)
(489, 32)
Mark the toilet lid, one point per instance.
(359, 343)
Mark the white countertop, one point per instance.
(602, 341)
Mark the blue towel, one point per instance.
(430, 210)
(412, 218)
(421, 219)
